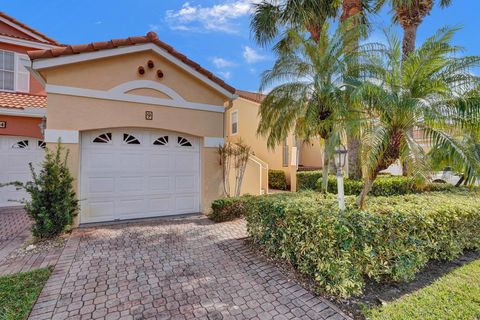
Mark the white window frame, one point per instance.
(14, 71)
(17, 57)
(232, 114)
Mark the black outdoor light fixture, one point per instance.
(340, 156)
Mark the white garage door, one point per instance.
(138, 173)
(15, 155)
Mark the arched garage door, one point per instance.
(15, 155)
(137, 173)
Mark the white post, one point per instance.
(340, 194)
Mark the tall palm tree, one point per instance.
(410, 14)
(353, 14)
(272, 19)
(310, 97)
(431, 90)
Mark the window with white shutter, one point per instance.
(7, 70)
(23, 76)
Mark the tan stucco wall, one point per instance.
(73, 163)
(79, 113)
(250, 182)
(248, 121)
(311, 154)
(107, 73)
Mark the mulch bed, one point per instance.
(34, 247)
(374, 293)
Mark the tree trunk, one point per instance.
(366, 189)
(354, 165)
(462, 179)
(408, 46)
(326, 163)
(409, 39)
(352, 8)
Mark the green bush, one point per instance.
(391, 240)
(228, 209)
(384, 185)
(53, 203)
(277, 179)
(306, 180)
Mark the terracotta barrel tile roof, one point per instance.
(22, 100)
(252, 96)
(38, 33)
(150, 37)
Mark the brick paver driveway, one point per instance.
(14, 230)
(184, 268)
(14, 233)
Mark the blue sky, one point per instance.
(214, 33)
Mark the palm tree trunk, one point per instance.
(366, 189)
(409, 39)
(326, 164)
(354, 165)
(408, 46)
(352, 8)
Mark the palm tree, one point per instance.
(410, 14)
(310, 97)
(269, 19)
(430, 90)
(353, 14)
(272, 19)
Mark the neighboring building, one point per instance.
(142, 123)
(242, 123)
(22, 105)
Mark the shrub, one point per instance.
(306, 180)
(227, 209)
(53, 201)
(384, 185)
(392, 240)
(277, 179)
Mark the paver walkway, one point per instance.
(185, 268)
(14, 231)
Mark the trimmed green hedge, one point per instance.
(391, 240)
(384, 186)
(307, 180)
(227, 209)
(277, 179)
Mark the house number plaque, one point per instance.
(3, 124)
(148, 115)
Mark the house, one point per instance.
(142, 123)
(242, 123)
(22, 105)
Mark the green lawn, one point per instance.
(19, 292)
(453, 296)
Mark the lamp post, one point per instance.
(340, 160)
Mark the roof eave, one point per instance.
(49, 62)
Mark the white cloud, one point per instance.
(221, 63)
(252, 56)
(153, 27)
(225, 74)
(219, 17)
